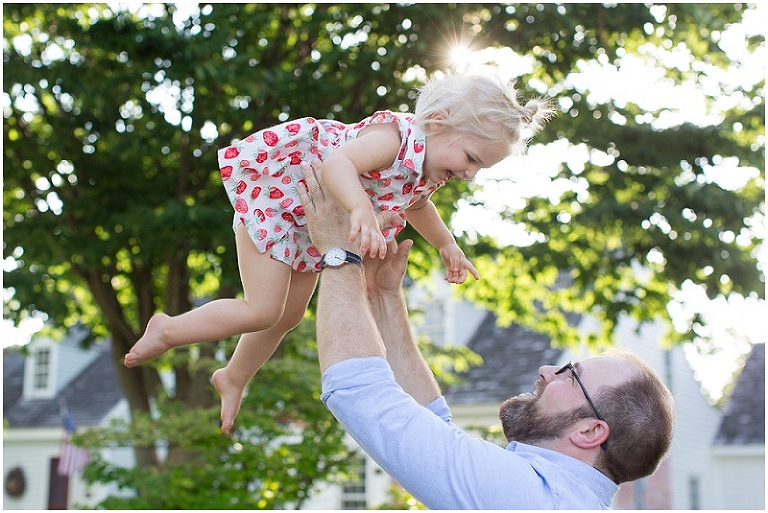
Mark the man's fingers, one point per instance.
(403, 249)
(313, 180)
(389, 218)
(303, 191)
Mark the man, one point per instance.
(563, 454)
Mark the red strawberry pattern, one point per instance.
(271, 210)
(275, 193)
(270, 138)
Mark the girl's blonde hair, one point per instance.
(480, 106)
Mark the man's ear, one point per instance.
(589, 433)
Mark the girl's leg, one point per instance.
(253, 349)
(265, 289)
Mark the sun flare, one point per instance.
(461, 57)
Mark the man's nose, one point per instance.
(547, 372)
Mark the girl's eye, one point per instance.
(470, 158)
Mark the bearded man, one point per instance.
(588, 427)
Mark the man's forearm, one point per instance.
(411, 370)
(345, 327)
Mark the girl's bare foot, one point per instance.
(151, 344)
(231, 395)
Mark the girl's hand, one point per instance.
(365, 226)
(456, 264)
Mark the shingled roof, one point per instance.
(89, 396)
(512, 356)
(744, 415)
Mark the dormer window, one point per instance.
(39, 372)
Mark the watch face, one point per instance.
(335, 257)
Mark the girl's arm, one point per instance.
(424, 218)
(376, 147)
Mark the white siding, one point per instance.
(31, 450)
(740, 477)
(695, 427)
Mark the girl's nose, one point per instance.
(471, 172)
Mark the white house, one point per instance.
(38, 389)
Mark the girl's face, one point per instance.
(453, 154)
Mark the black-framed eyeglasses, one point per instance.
(569, 366)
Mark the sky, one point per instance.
(735, 322)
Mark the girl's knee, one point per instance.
(291, 319)
(261, 318)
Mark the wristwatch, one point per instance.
(336, 257)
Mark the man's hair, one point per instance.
(640, 414)
(480, 106)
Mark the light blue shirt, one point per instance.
(441, 465)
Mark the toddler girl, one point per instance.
(382, 170)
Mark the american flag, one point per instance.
(72, 458)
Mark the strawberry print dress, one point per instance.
(261, 174)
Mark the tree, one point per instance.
(645, 199)
(113, 207)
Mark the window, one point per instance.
(41, 371)
(434, 323)
(694, 492)
(353, 490)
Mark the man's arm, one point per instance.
(384, 280)
(345, 327)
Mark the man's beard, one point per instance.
(522, 420)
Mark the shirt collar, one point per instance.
(606, 488)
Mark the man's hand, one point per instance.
(327, 221)
(385, 276)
